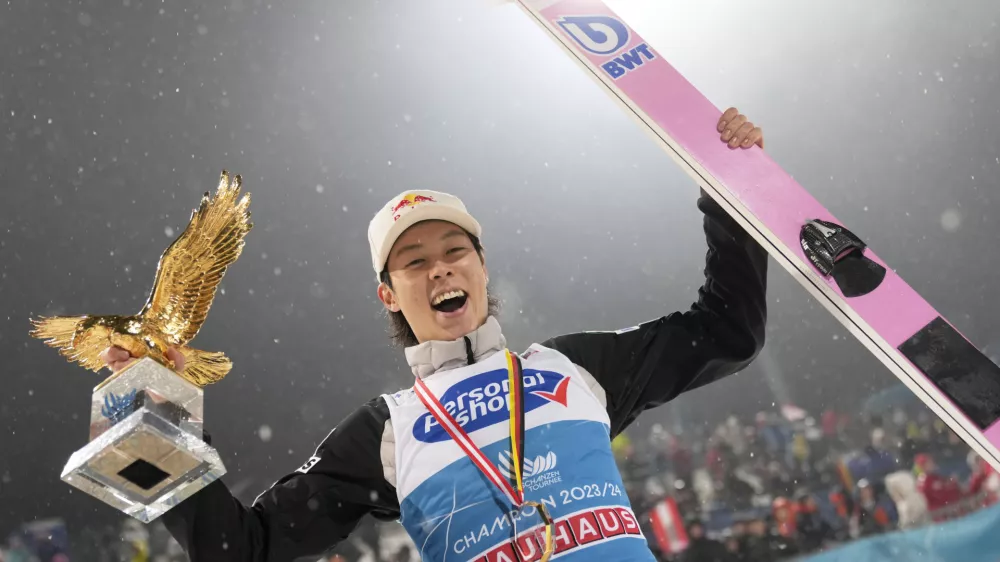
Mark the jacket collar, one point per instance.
(434, 356)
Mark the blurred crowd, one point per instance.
(780, 486)
(786, 484)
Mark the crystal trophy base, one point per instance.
(146, 453)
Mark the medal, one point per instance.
(513, 490)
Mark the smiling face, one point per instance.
(438, 281)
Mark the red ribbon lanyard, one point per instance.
(515, 394)
(515, 491)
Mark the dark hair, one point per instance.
(400, 331)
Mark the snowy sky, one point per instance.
(116, 115)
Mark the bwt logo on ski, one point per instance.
(605, 36)
(481, 401)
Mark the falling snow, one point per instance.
(90, 111)
(951, 220)
(264, 433)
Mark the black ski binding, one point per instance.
(837, 252)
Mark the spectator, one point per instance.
(735, 549)
(984, 480)
(701, 548)
(784, 517)
(911, 506)
(800, 452)
(812, 528)
(870, 517)
(763, 545)
(18, 551)
(939, 491)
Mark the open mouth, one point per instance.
(450, 301)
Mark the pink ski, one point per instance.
(920, 347)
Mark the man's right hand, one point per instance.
(117, 358)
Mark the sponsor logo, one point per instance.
(534, 467)
(409, 201)
(615, 332)
(398, 396)
(610, 521)
(600, 35)
(308, 466)
(118, 406)
(538, 472)
(481, 401)
(572, 532)
(605, 36)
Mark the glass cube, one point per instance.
(146, 453)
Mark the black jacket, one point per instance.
(305, 514)
(706, 550)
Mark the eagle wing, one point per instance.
(191, 268)
(78, 338)
(205, 367)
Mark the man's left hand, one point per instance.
(738, 131)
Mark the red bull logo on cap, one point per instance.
(409, 200)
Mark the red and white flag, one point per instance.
(668, 527)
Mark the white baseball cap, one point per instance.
(409, 208)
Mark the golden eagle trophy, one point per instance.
(146, 453)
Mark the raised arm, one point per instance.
(649, 364)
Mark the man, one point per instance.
(703, 549)
(940, 491)
(483, 430)
(764, 545)
(813, 530)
